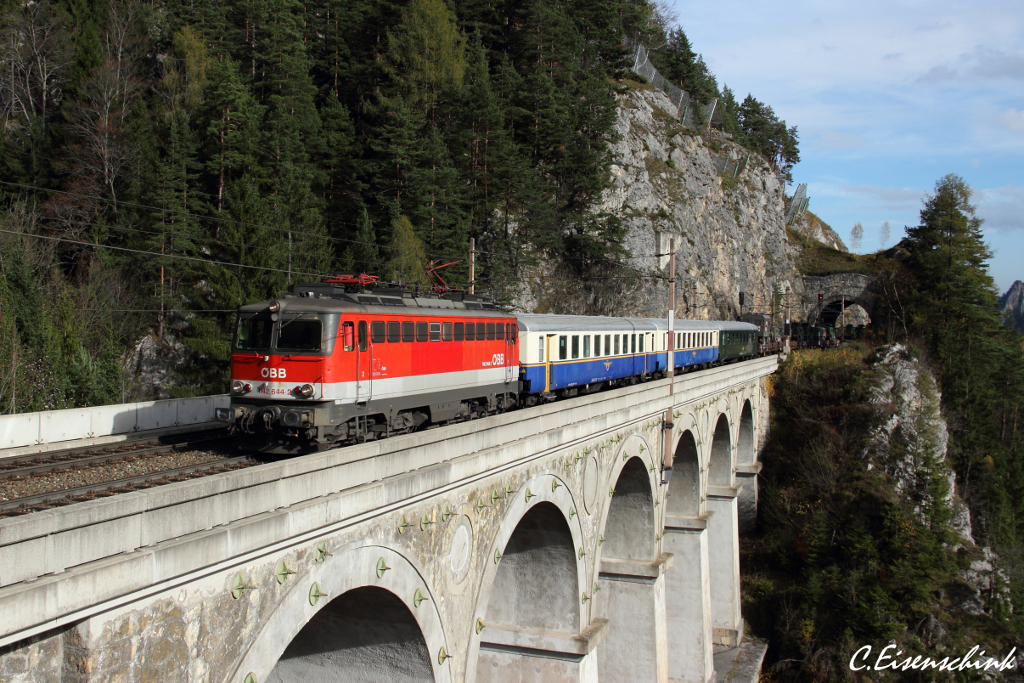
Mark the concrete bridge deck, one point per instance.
(537, 545)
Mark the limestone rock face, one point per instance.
(149, 368)
(912, 444)
(811, 227)
(729, 231)
(1013, 304)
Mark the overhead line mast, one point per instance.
(668, 426)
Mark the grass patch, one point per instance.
(818, 259)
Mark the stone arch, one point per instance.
(545, 488)
(365, 635)
(684, 486)
(350, 570)
(534, 583)
(720, 458)
(830, 313)
(629, 526)
(536, 580)
(746, 453)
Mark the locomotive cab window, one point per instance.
(254, 333)
(300, 334)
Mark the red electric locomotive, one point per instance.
(326, 364)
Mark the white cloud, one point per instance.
(1013, 120)
(1001, 207)
(822, 138)
(896, 198)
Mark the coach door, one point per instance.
(364, 363)
(548, 348)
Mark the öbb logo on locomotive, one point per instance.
(450, 357)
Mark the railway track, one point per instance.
(45, 480)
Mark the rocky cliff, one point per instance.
(1012, 304)
(728, 226)
(810, 227)
(911, 447)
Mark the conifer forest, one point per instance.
(162, 163)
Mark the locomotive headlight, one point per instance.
(240, 387)
(306, 391)
(274, 306)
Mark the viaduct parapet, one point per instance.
(541, 544)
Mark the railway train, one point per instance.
(331, 363)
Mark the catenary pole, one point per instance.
(668, 427)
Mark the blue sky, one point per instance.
(888, 98)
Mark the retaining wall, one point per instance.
(53, 426)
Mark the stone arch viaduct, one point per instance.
(542, 544)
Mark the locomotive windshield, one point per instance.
(299, 334)
(254, 332)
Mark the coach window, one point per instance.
(575, 346)
(540, 350)
(642, 342)
(408, 331)
(480, 331)
(586, 346)
(607, 345)
(499, 331)
(394, 331)
(377, 331)
(625, 343)
(616, 344)
(435, 331)
(460, 331)
(421, 332)
(563, 348)
(446, 332)
(470, 332)
(362, 335)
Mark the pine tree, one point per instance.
(435, 205)
(407, 258)
(426, 56)
(233, 129)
